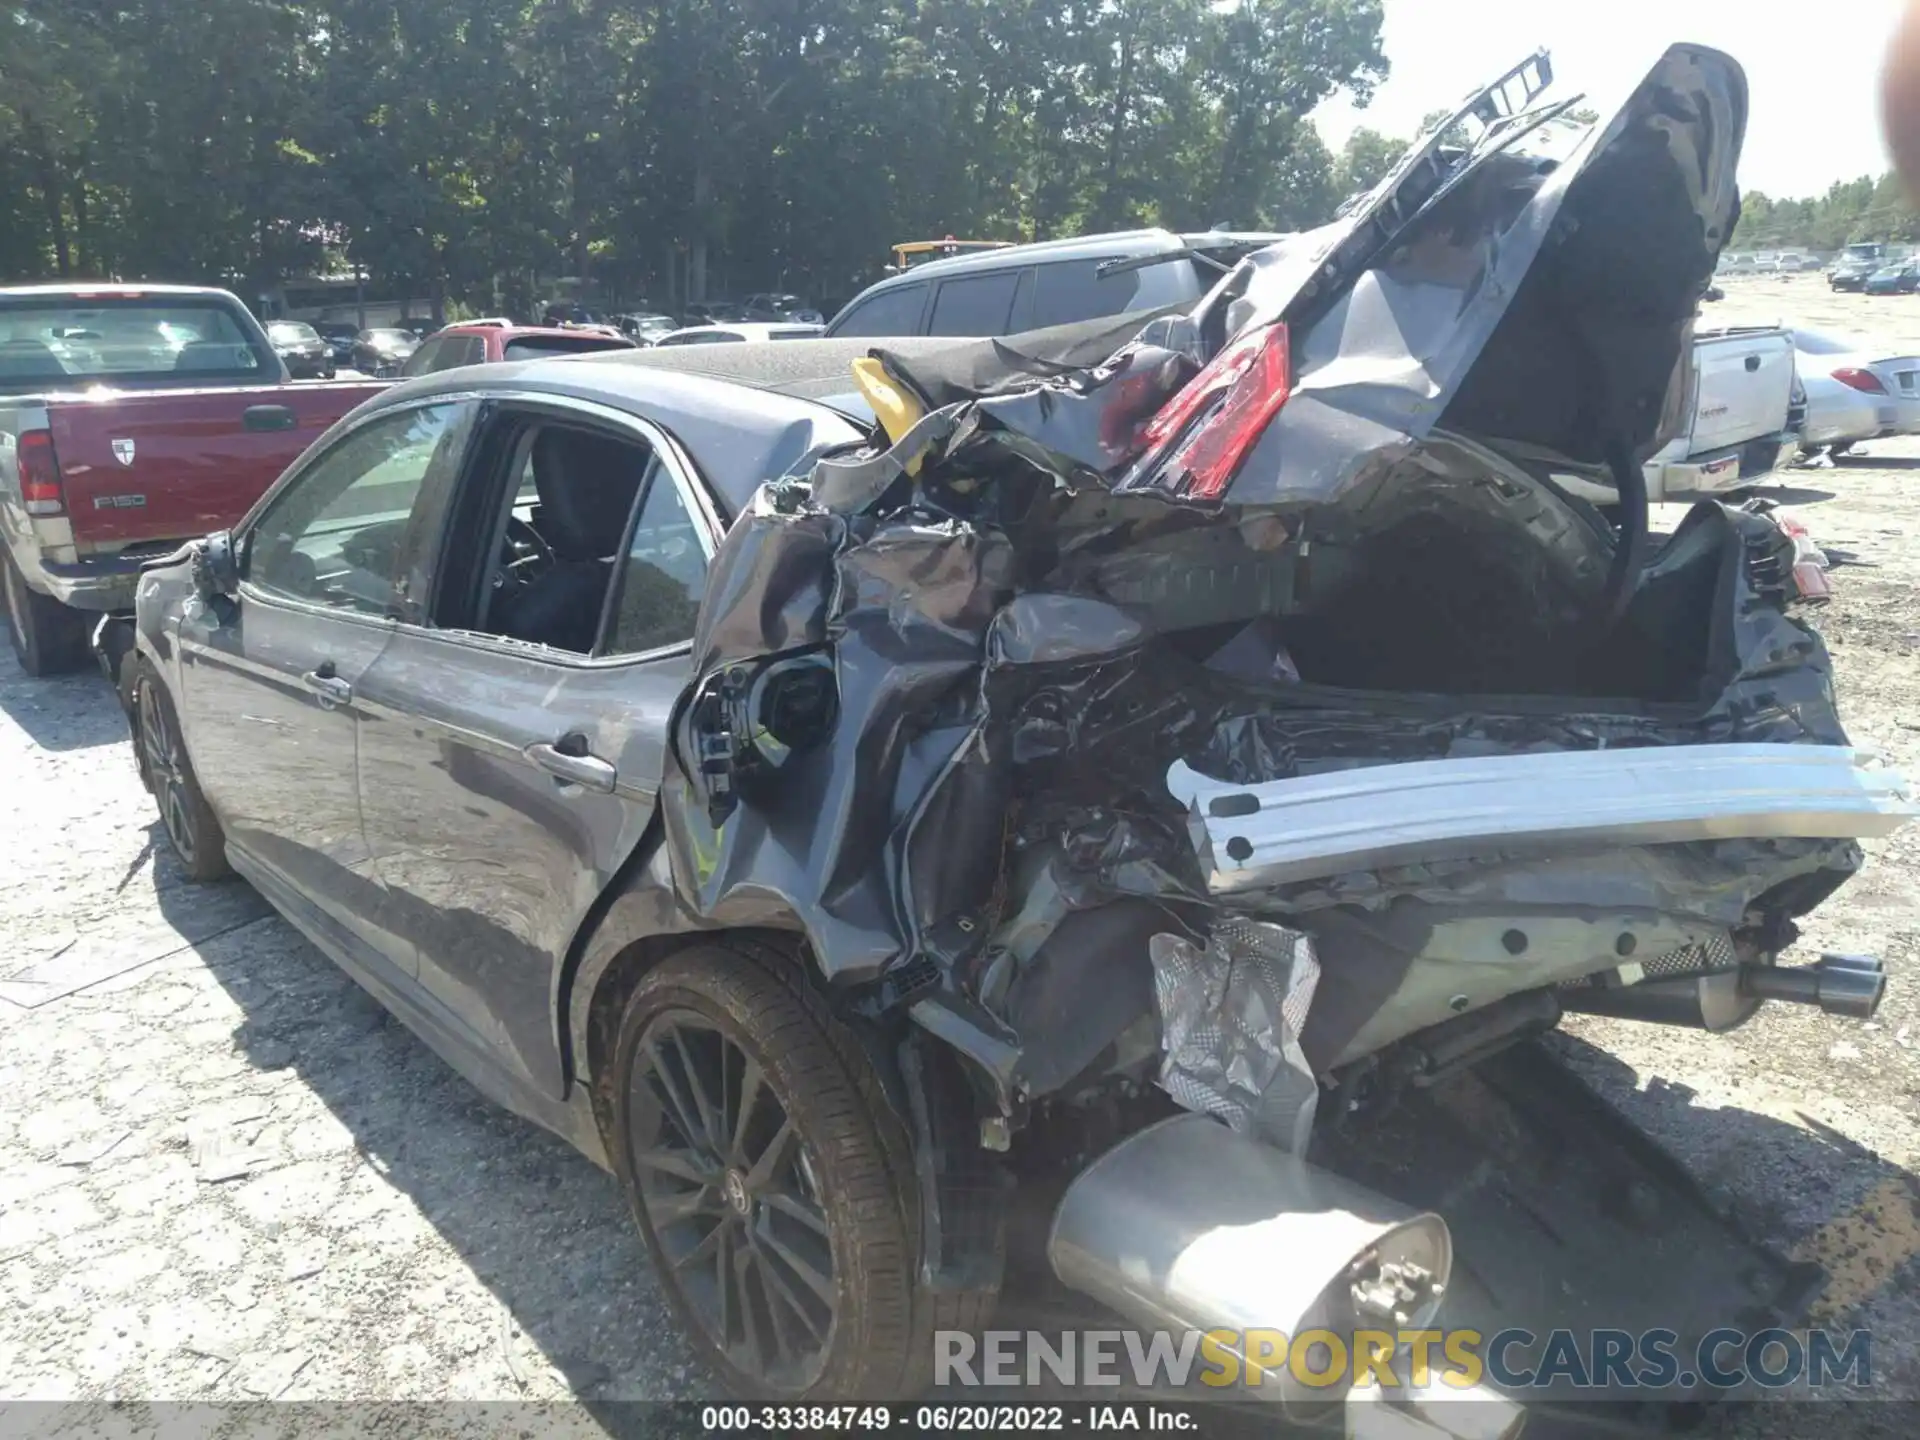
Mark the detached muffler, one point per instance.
(1187, 1226)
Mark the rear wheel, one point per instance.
(748, 1136)
(191, 826)
(48, 638)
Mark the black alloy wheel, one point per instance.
(773, 1183)
(733, 1195)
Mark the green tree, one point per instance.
(476, 150)
(1365, 159)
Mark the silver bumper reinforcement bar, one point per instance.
(1310, 827)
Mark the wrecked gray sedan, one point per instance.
(846, 793)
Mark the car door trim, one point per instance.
(687, 481)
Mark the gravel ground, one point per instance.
(224, 1173)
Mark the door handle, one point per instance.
(589, 772)
(268, 417)
(331, 689)
(1753, 362)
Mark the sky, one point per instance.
(1812, 71)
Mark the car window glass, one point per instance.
(662, 577)
(974, 304)
(1070, 290)
(334, 536)
(532, 347)
(891, 312)
(1021, 317)
(425, 359)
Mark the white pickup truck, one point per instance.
(1745, 411)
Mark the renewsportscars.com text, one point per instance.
(1461, 1359)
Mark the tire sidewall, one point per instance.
(209, 861)
(14, 602)
(676, 985)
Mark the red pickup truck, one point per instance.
(132, 418)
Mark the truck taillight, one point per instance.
(1228, 405)
(39, 474)
(1860, 380)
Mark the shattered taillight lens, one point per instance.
(1221, 412)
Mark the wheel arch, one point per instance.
(961, 1190)
(637, 923)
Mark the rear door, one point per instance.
(1743, 390)
(173, 464)
(502, 783)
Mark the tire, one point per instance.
(817, 1180)
(192, 829)
(48, 638)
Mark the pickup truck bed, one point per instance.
(1744, 417)
(103, 465)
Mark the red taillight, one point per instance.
(1232, 400)
(39, 473)
(1860, 380)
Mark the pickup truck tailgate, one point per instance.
(1745, 387)
(153, 465)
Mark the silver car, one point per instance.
(1854, 391)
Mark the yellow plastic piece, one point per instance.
(895, 409)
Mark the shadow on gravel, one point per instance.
(61, 712)
(1793, 494)
(1802, 1189)
(544, 1229)
(1877, 462)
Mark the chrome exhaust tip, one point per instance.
(1849, 985)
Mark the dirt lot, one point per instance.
(224, 1173)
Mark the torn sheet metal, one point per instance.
(940, 682)
(1231, 1013)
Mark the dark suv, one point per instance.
(1029, 287)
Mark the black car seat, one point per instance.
(214, 355)
(586, 484)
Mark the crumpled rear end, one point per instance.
(1309, 530)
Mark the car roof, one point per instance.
(743, 413)
(83, 291)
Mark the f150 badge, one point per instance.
(123, 451)
(119, 502)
